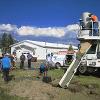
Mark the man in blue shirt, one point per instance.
(43, 68)
(6, 64)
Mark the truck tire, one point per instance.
(57, 65)
(82, 69)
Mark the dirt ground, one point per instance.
(37, 90)
(27, 84)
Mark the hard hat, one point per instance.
(94, 18)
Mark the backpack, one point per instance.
(47, 79)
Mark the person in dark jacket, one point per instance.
(22, 59)
(43, 69)
(6, 65)
(29, 57)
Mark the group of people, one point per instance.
(6, 64)
(22, 60)
(43, 66)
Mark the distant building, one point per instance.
(38, 49)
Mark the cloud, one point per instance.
(72, 28)
(8, 27)
(50, 31)
(35, 31)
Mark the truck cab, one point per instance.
(91, 60)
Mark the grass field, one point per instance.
(5, 96)
(28, 85)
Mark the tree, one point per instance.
(10, 39)
(6, 41)
(70, 48)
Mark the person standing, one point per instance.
(6, 65)
(43, 69)
(14, 60)
(22, 59)
(29, 57)
(94, 20)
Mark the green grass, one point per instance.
(5, 88)
(85, 80)
(56, 73)
(21, 73)
(5, 96)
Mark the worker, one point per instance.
(13, 60)
(29, 57)
(22, 59)
(94, 20)
(43, 69)
(6, 65)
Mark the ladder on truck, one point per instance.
(67, 77)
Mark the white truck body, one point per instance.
(58, 60)
(92, 58)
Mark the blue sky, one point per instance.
(35, 14)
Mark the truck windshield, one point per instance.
(92, 49)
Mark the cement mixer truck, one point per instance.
(89, 37)
(88, 57)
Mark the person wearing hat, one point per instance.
(6, 65)
(94, 20)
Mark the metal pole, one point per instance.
(92, 28)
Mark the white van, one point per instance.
(59, 60)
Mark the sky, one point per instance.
(44, 20)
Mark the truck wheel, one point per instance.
(57, 65)
(82, 69)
